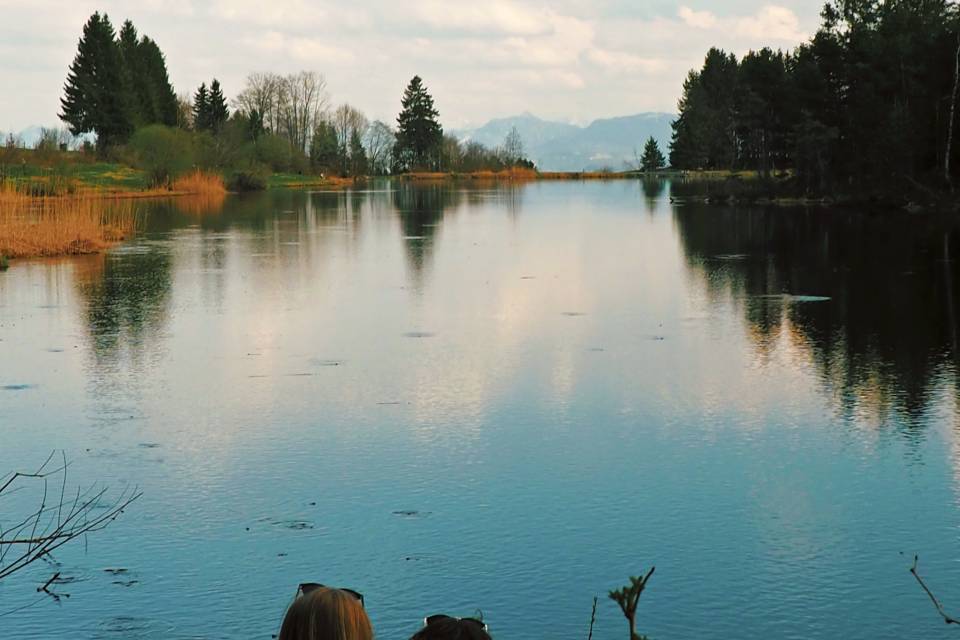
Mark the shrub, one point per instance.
(251, 180)
(163, 152)
(275, 152)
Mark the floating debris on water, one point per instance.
(573, 314)
(148, 445)
(411, 513)
(17, 387)
(319, 362)
(294, 525)
(418, 334)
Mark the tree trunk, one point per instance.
(953, 109)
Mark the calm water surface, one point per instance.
(504, 398)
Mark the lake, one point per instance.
(506, 398)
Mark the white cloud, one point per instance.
(564, 59)
(770, 22)
(774, 23)
(312, 50)
(697, 19)
(493, 16)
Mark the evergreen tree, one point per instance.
(652, 159)
(419, 134)
(95, 95)
(163, 97)
(324, 149)
(201, 109)
(136, 85)
(358, 155)
(219, 113)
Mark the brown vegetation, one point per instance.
(199, 183)
(32, 225)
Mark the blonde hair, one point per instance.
(326, 614)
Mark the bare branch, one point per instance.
(51, 526)
(946, 618)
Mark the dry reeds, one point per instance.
(199, 183)
(38, 226)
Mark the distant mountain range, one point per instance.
(612, 143)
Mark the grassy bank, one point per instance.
(517, 174)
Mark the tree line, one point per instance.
(870, 100)
(118, 88)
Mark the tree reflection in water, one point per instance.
(886, 339)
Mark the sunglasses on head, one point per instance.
(310, 587)
(441, 616)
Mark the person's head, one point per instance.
(326, 614)
(449, 628)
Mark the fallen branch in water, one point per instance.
(946, 617)
(54, 524)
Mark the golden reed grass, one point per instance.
(50, 226)
(199, 183)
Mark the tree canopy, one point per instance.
(419, 134)
(868, 101)
(652, 159)
(116, 83)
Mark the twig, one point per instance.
(54, 524)
(946, 617)
(49, 582)
(593, 618)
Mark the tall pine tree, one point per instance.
(164, 98)
(201, 109)
(419, 134)
(96, 97)
(219, 113)
(652, 159)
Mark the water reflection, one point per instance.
(126, 297)
(871, 301)
(583, 366)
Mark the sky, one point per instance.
(569, 60)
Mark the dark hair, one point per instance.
(326, 614)
(451, 629)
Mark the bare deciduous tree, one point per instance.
(346, 120)
(262, 93)
(60, 517)
(512, 147)
(379, 141)
(303, 102)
